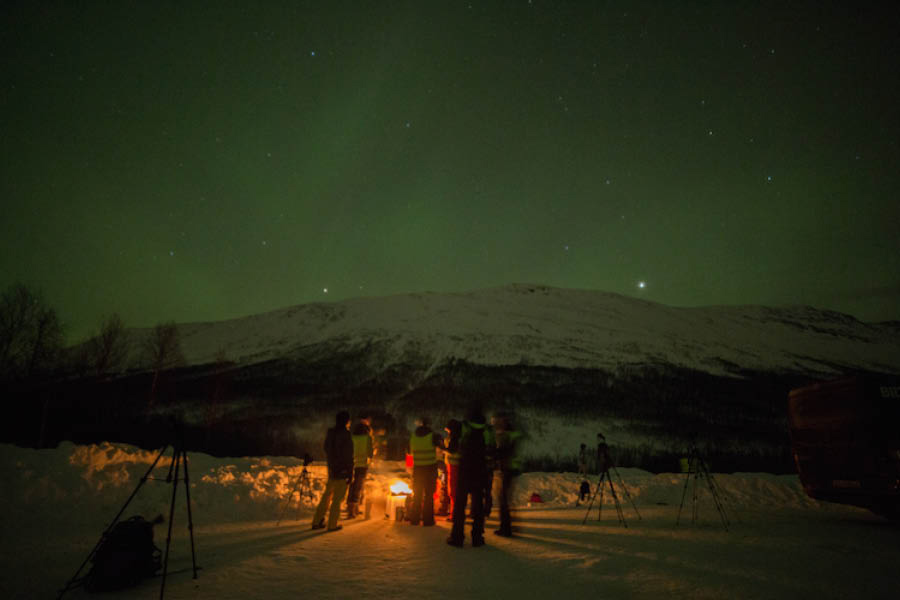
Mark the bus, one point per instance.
(845, 436)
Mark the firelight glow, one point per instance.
(400, 487)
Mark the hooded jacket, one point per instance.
(339, 452)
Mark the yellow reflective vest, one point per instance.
(508, 450)
(362, 450)
(422, 449)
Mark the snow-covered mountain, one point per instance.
(541, 326)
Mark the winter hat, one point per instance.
(342, 418)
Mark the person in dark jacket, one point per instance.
(339, 451)
(472, 467)
(451, 460)
(510, 466)
(363, 451)
(422, 445)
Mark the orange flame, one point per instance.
(399, 487)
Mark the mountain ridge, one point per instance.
(545, 326)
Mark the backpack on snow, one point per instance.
(126, 555)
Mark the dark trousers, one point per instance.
(488, 499)
(424, 482)
(356, 485)
(506, 486)
(468, 484)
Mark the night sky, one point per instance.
(203, 162)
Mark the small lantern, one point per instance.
(397, 499)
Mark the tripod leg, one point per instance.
(162, 587)
(187, 490)
(722, 497)
(619, 513)
(694, 512)
(687, 480)
(715, 496)
(600, 506)
(627, 495)
(288, 501)
(143, 480)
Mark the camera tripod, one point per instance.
(179, 458)
(304, 486)
(698, 468)
(605, 475)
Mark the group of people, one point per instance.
(471, 451)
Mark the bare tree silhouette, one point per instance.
(30, 333)
(107, 352)
(162, 350)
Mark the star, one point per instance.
(642, 284)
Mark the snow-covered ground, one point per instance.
(780, 544)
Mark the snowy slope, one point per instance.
(541, 326)
(780, 544)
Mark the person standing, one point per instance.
(423, 445)
(490, 464)
(363, 451)
(339, 453)
(583, 460)
(451, 460)
(472, 456)
(508, 439)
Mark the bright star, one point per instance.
(642, 284)
(324, 290)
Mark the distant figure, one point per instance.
(363, 451)
(508, 440)
(582, 460)
(472, 453)
(603, 461)
(422, 446)
(490, 464)
(583, 492)
(339, 452)
(451, 460)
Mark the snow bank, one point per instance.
(59, 483)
